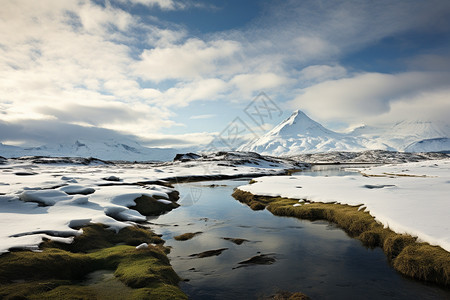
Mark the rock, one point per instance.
(208, 253)
(261, 259)
(111, 178)
(186, 156)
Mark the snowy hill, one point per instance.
(403, 134)
(300, 134)
(430, 145)
(127, 150)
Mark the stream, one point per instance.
(315, 258)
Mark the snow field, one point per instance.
(411, 198)
(49, 200)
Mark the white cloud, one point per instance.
(62, 62)
(320, 32)
(312, 47)
(249, 83)
(184, 93)
(172, 4)
(190, 60)
(431, 105)
(320, 73)
(201, 117)
(163, 38)
(97, 19)
(163, 4)
(371, 95)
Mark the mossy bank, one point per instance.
(408, 256)
(60, 271)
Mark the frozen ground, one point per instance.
(412, 198)
(52, 197)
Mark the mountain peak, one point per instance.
(299, 115)
(299, 124)
(299, 134)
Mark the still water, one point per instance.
(315, 258)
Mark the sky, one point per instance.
(182, 73)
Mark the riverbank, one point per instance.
(388, 207)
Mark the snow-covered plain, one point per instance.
(52, 197)
(412, 198)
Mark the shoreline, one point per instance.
(405, 254)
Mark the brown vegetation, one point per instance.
(409, 257)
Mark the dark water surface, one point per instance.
(315, 258)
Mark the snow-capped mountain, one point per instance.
(127, 150)
(300, 134)
(403, 134)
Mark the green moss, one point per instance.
(186, 236)
(68, 292)
(143, 272)
(96, 236)
(160, 292)
(51, 263)
(24, 290)
(56, 272)
(420, 261)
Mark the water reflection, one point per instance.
(313, 258)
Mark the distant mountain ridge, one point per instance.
(127, 150)
(300, 134)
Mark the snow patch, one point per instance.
(142, 246)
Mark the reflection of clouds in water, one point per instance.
(190, 196)
(310, 257)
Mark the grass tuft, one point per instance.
(425, 262)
